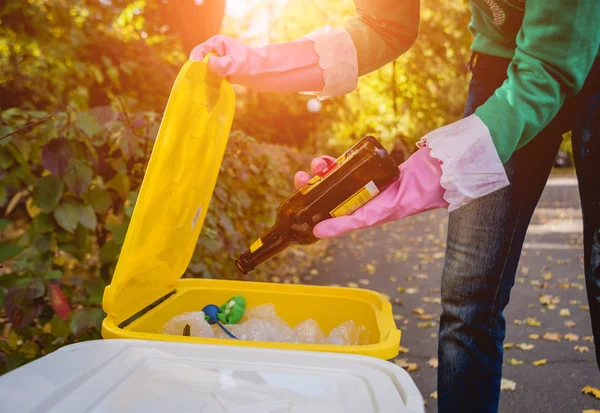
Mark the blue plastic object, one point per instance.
(211, 311)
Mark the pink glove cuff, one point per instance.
(337, 59)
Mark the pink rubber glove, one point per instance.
(322, 62)
(417, 190)
(285, 67)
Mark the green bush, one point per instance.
(68, 187)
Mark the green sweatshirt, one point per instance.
(552, 44)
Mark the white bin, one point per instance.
(118, 376)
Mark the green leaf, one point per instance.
(29, 349)
(4, 223)
(59, 327)
(6, 160)
(95, 290)
(119, 232)
(67, 216)
(79, 176)
(121, 184)
(36, 288)
(87, 123)
(40, 225)
(8, 251)
(54, 275)
(79, 322)
(99, 199)
(3, 195)
(44, 243)
(47, 192)
(5, 130)
(109, 252)
(87, 217)
(81, 240)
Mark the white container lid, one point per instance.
(137, 376)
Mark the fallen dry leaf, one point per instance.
(433, 363)
(588, 338)
(435, 300)
(352, 285)
(370, 269)
(507, 384)
(398, 317)
(426, 317)
(525, 346)
(426, 324)
(582, 349)
(534, 336)
(508, 345)
(540, 362)
(434, 395)
(405, 364)
(564, 312)
(549, 300)
(418, 311)
(412, 290)
(591, 390)
(547, 276)
(570, 323)
(584, 308)
(314, 271)
(575, 302)
(363, 281)
(518, 322)
(403, 350)
(535, 282)
(552, 337)
(571, 337)
(393, 279)
(578, 286)
(532, 322)
(514, 362)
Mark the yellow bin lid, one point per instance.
(175, 193)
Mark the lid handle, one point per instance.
(208, 56)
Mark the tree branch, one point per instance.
(28, 126)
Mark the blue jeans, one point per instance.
(486, 236)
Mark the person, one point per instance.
(534, 75)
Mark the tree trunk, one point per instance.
(194, 20)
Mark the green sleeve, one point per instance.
(556, 47)
(382, 30)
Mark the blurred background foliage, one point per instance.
(95, 75)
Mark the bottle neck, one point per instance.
(267, 246)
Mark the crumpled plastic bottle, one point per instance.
(308, 331)
(199, 327)
(346, 334)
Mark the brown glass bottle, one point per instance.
(351, 181)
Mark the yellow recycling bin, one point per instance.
(146, 289)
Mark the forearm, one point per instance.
(556, 48)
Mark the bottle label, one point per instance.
(321, 176)
(361, 197)
(257, 244)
